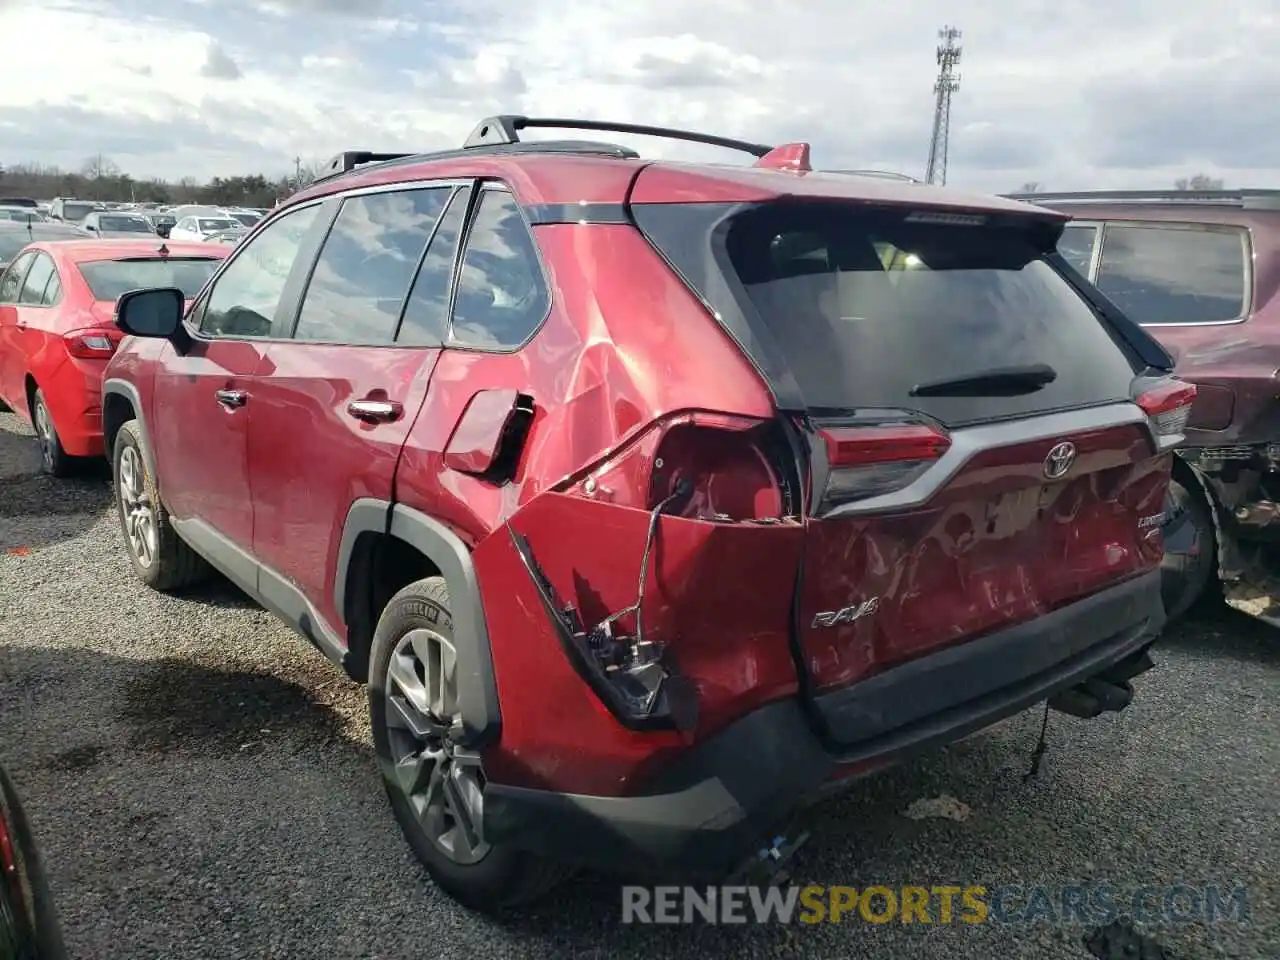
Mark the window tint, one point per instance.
(52, 291)
(12, 281)
(1167, 275)
(367, 263)
(1076, 247)
(244, 298)
(501, 297)
(39, 274)
(426, 316)
(109, 279)
(859, 308)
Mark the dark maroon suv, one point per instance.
(652, 498)
(1200, 270)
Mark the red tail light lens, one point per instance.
(721, 461)
(92, 343)
(870, 461)
(1168, 406)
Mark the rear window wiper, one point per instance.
(996, 382)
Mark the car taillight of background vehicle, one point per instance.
(1168, 407)
(874, 460)
(92, 343)
(704, 466)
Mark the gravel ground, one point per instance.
(203, 786)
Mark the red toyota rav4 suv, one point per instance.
(650, 498)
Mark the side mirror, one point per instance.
(163, 230)
(156, 312)
(90, 227)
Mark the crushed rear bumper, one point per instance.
(724, 796)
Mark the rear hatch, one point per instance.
(974, 455)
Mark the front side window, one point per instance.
(1161, 274)
(366, 266)
(37, 277)
(501, 298)
(245, 297)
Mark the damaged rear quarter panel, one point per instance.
(719, 595)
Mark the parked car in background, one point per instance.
(160, 222)
(16, 235)
(200, 229)
(69, 210)
(653, 498)
(22, 214)
(106, 224)
(1201, 271)
(29, 925)
(57, 330)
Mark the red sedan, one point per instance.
(57, 329)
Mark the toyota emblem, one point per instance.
(1059, 460)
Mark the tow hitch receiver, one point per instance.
(768, 866)
(1108, 692)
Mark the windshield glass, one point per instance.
(11, 241)
(108, 279)
(211, 225)
(247, 219)
(124, 224)
(77, 211)
(21, 215)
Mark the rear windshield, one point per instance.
(11, 241)
(860, 307)
(209, 226)
(77, 211)
(124, 225)
(108, 279)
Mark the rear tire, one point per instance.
(1191, 549)
(54, 460)
(412, 672)
(160, 558)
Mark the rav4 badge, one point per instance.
(856, 611)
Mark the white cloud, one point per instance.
(1120, 93)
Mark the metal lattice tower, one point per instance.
(948, 83)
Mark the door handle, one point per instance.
(231, 399)
(375, 411)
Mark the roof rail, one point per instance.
(1246, 199)
(882, 174)
(506, 129)
(340, 164)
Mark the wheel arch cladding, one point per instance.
(477, 688)
(121, 403)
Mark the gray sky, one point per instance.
(1072, 93)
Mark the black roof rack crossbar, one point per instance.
(880, 174)
(1248, 199)
(506, 129)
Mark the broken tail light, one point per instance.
(870, 461)
(92, 343)
(703, 466)
(1167, 405)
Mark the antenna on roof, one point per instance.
(506, 128)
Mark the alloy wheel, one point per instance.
(136, 508)
(45, 435)
(442, 782)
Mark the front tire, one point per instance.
(160, 558)
(1190, 549)
(435, 785)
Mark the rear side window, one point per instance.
(426, 315)
(37, 278)
(1167, 274)
(108, 279)
(366, 266)
(857, 308)
(501, 298)
(1076, 247)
